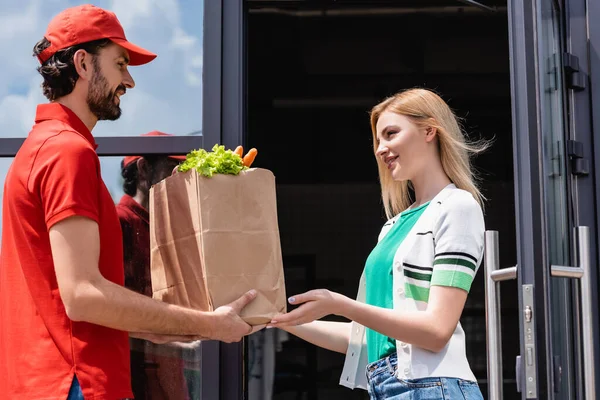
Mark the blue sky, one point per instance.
(168, 92)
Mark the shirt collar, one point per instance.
(59, 112)
(135, 207)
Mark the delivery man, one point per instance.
(65, 315)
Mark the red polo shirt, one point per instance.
(54, 176)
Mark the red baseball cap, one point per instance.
(81, 24)
(130, 159)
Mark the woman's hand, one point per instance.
(315, 304)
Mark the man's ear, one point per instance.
(430, 133)
(83, 64)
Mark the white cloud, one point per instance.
(17, 112)
(187, 45)
(135, 13)
(17, 23)
(163, 16)
(130, 12)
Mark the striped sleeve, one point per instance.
(458, 242)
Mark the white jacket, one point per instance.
(445, 247)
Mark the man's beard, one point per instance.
(100, 99)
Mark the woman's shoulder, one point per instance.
(460, 208)
(461, 199)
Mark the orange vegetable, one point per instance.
(239, 151)
(249, 157)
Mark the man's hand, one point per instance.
(230, 327)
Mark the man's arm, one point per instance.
(89, 297)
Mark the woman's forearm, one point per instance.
(430, 329)
(415, 327)
(329, 335)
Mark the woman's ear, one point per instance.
(430, 133)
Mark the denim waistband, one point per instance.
(387, 364)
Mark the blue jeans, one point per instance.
(383, 384)
(75, 392)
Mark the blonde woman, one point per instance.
(405, 340)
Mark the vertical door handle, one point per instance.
(583, 273)
(492, 312)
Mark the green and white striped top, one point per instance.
(378, 275)
(444, 248)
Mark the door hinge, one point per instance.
(574, 78)
(580, 166)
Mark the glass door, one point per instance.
(563, 323)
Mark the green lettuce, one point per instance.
(217, 161)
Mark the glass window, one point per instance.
(168, 92)
(111, 174)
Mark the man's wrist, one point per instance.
(209, 322)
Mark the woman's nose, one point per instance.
(381, 150)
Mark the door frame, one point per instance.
(529, 204)
(224, 122)
(532, 254)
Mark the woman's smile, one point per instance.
(390, 161)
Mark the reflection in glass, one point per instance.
(263, 347)
(169, 371)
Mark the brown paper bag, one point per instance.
(213, 239)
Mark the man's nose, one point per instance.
(128, 80)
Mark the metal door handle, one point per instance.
(492, 312)
(583, 273)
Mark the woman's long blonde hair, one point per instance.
(427, 109)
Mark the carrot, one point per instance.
(239, 151)
(249, 157)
